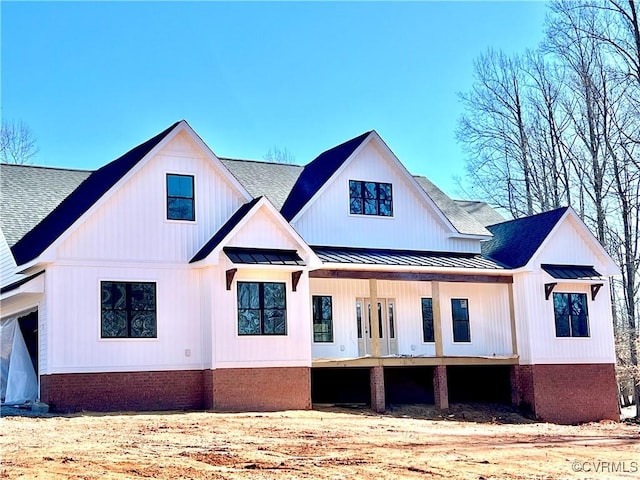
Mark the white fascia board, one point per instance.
(331, 178)
(470, 236)
(48, 254)
(35, 285)
(611, 269)
(213, 257)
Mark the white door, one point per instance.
(386, 327)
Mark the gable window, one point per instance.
(427, 320)
(322, 319)
(128, 310)
(262, 308)
(460, 314)
(180, 197)
(572, 318)
(370, 198)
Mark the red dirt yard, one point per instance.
(329, 443)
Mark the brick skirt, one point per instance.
(234, 389)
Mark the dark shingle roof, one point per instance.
(224, 230)
(29, 193)
(272, 180)
(316, 174)
(481, 212)
(80, 200)
(411, 258)
(514, 242)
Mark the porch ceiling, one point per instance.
(407, 361)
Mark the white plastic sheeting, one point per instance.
(18, 380)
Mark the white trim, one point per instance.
(182, 126)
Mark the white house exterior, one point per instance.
(171, 278)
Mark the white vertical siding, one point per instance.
(233, 350)
(7, 263)
(489, 317)
(328, 222)
(74, 338)
(262, 230)
(537, 340)
(131, 225)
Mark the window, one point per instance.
(572, 318)
(370, 198)
(128, 310)
(262, 308)
(322, 319)
(180, 197)
(460, 313)
(427, 320)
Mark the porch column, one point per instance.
(375, 320)
(514, 375)
(437, 317)
(376, 376)
(440, 390)
(512, 318)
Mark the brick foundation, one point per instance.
(572, 393)
(262, 389)
(113, 391)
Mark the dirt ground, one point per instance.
(327, 443)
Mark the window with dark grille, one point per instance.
(571, 315)
(322, 319)
(262, 308)
(180, 197)
(370, 198)
(460, 313)
(427, 320)
(128, 310)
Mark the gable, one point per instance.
(326, 220)
(131, 223)
(572, 244)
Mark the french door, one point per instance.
(386, 327)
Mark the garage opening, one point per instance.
(19, 358)
(479, 383)
(408, 385)
(340, 386)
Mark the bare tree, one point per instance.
(279, 155)
(18, 144)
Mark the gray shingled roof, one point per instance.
(272, 180)
(461, 220)
(481, 211)
(29, 193)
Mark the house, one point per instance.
(171, 278)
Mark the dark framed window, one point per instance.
(322, 319)
(460, 314)
(370, 198)
(428, 334)
(262, 308)
(571, 315)
(180, 197)
(128, 310)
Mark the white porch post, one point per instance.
(437, 317)
(375, 319)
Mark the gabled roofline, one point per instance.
(166, 136)
(373, 135)
(237, 221)
(611, 269)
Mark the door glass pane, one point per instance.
(359, 318)
(380, 320)
(392, 328)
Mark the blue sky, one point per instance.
(93, 80)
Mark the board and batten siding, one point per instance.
(231, 350)
(537, 341)
(7, 263)
(74, 319)
(327, 221)
(132, 225)
(488, 307)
